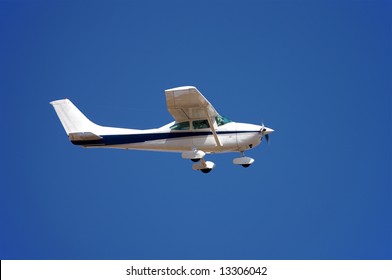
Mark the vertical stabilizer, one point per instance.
(71, 118)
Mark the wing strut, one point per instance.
(213, 128)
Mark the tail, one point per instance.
(76, 125)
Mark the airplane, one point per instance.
(198, 129)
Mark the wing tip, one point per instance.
(181, 88)
(54, 102)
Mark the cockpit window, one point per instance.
(180, 126)
(200, 124)
(221, 120)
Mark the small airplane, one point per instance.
(198, 130)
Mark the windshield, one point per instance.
(221, 120)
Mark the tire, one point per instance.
(206, 170)
(245, 165)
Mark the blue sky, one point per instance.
(319, 73)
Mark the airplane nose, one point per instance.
(268, 130)
(265, 131)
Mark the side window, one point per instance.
(200, 124)
(180, 126)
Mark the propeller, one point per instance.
(265, 132)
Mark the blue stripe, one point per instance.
(139, 138)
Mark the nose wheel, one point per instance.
(244, 161)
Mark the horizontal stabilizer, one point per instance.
(83, 136)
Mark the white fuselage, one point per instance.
(233, 137)
(198, 130)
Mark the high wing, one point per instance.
(187, 104)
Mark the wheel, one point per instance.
(245, 165)
(195, 159)
(205, 170)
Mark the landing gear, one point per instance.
(203, 166)
(194, 155)
(200, 163)
(243, 160)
